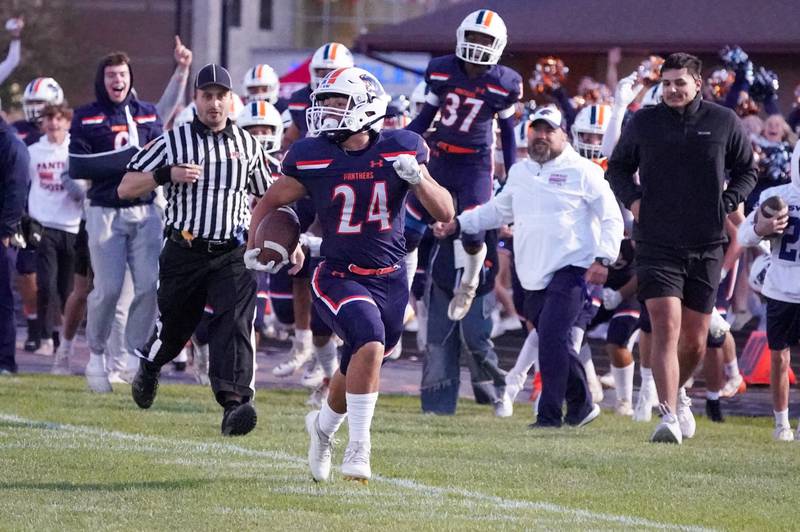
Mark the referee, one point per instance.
(207, 167)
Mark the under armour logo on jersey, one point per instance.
(378, 164)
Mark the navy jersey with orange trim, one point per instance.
(27, 132)
(358, 197)
(299, 101)
(468, 106)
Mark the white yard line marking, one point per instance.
(294, 462)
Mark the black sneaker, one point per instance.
(713, 411)
(238, 419)
(179, 366)
(33, 342)
(145, 384)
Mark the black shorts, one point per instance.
(692, 275)
(82, 263)
(783, 324)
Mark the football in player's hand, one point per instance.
(771, 206)
(277, 236)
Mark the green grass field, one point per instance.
(72, 460)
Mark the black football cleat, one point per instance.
(713, 411)
(145, 384)
(238, 419)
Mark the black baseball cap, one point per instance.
(212, 74)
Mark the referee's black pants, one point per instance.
(188, 280)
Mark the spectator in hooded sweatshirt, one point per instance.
(104, 136)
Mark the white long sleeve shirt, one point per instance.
(782, 281)
(48, 202)
(564, 214)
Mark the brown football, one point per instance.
(277, 235)
(771, 206)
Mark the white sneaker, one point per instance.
(355, 465)
(608, 381)
(61, 362)
(511, 323)
(97, 375)
(298, 356)
(685, 416)
(669, 430)
(504, 407)
(46, 348)
(623, 408)
(645, 402)
(119, 377)
(515, 382)
(783, 434)
(733, 385)
(320, 449)
(498, 329)
(395, 353)
(319, 395)
(313, 374)
(461, 302)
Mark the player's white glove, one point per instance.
(312, 242)
(407, 168)
(611, 298)
(626, 91)
(717, 326)
(251, 262)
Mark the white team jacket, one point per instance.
(48, 201)
(564, 214)
(782, 281)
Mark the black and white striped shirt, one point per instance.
(216, 207)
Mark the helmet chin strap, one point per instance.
(340, 136)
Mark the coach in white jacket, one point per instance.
(567, 231)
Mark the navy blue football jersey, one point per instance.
(358, 197)
(468, 106)
(27, 132)
(299, 101)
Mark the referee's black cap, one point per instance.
(212, 74)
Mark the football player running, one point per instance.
(358, 177)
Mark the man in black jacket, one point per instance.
(683, 149)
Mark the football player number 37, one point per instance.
(377, 211)
(450, 115)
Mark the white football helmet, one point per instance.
(418, 98)
(327, 58)
(486, 22)
(652, 96)
(261, 83)
(592, 119)
(261, 113)
(365, 109)
(39, 93)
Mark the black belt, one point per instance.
(215, 247)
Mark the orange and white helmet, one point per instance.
(365, 109)
(39, 93)
(327, 58)
(261, 113)
(488, 23)
(591, 120)
(236, 106)
(261, 83)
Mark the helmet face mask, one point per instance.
(361, 105)
(588, 129)
(261, 83)
(264, 122)
(471, 47)
(39, 93)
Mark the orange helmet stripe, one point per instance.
(262, 108)
(601, 114)
(487, 18)
(332, 53)
(36, 85)
(259, 68)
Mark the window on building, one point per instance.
(265, 15)
(234, 13)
